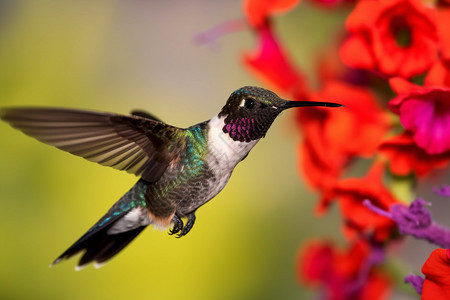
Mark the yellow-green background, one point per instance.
(121, 55)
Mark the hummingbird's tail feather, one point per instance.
(115, 230)
(99, 247)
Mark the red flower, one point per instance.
(439, 74)
(350, 194)
(326, 149)
(270, 63)
(394, 37)
(437, 275)
(443, 24)
(342, 274)
(257, 11)
(320, 174)
(405, 156)
(425, 111)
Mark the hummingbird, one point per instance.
(179, 169)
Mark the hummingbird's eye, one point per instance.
(249, 103)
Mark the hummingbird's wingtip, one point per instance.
(99, 265)
(80, 267)
(55, 262)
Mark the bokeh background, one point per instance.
(121, 55)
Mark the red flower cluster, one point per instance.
(393, 37)
(326, 150)
(338, 272)
(388, 42)
(350, 194)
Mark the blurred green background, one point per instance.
(121, 55)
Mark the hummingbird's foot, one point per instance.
(190, 223)
(177, 225)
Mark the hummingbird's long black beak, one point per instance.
(290, 104)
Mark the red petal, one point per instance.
(363, 16)
(405, 156)
(258, 10)
(443, 23)
(437, 276)
(351, 192)
(355, 53)
(314, 262)
(272, 65)
(338, 272)
(438, 75)
(402, 86)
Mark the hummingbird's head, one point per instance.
(250, 111)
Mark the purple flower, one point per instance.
(443, 191)
(415, 220)
(416, 282)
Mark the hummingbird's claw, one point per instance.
(190, 223)
(177, 225)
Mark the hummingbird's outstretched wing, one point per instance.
(136, 144)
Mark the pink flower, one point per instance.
(425, 111)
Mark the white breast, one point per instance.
(224, 153)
